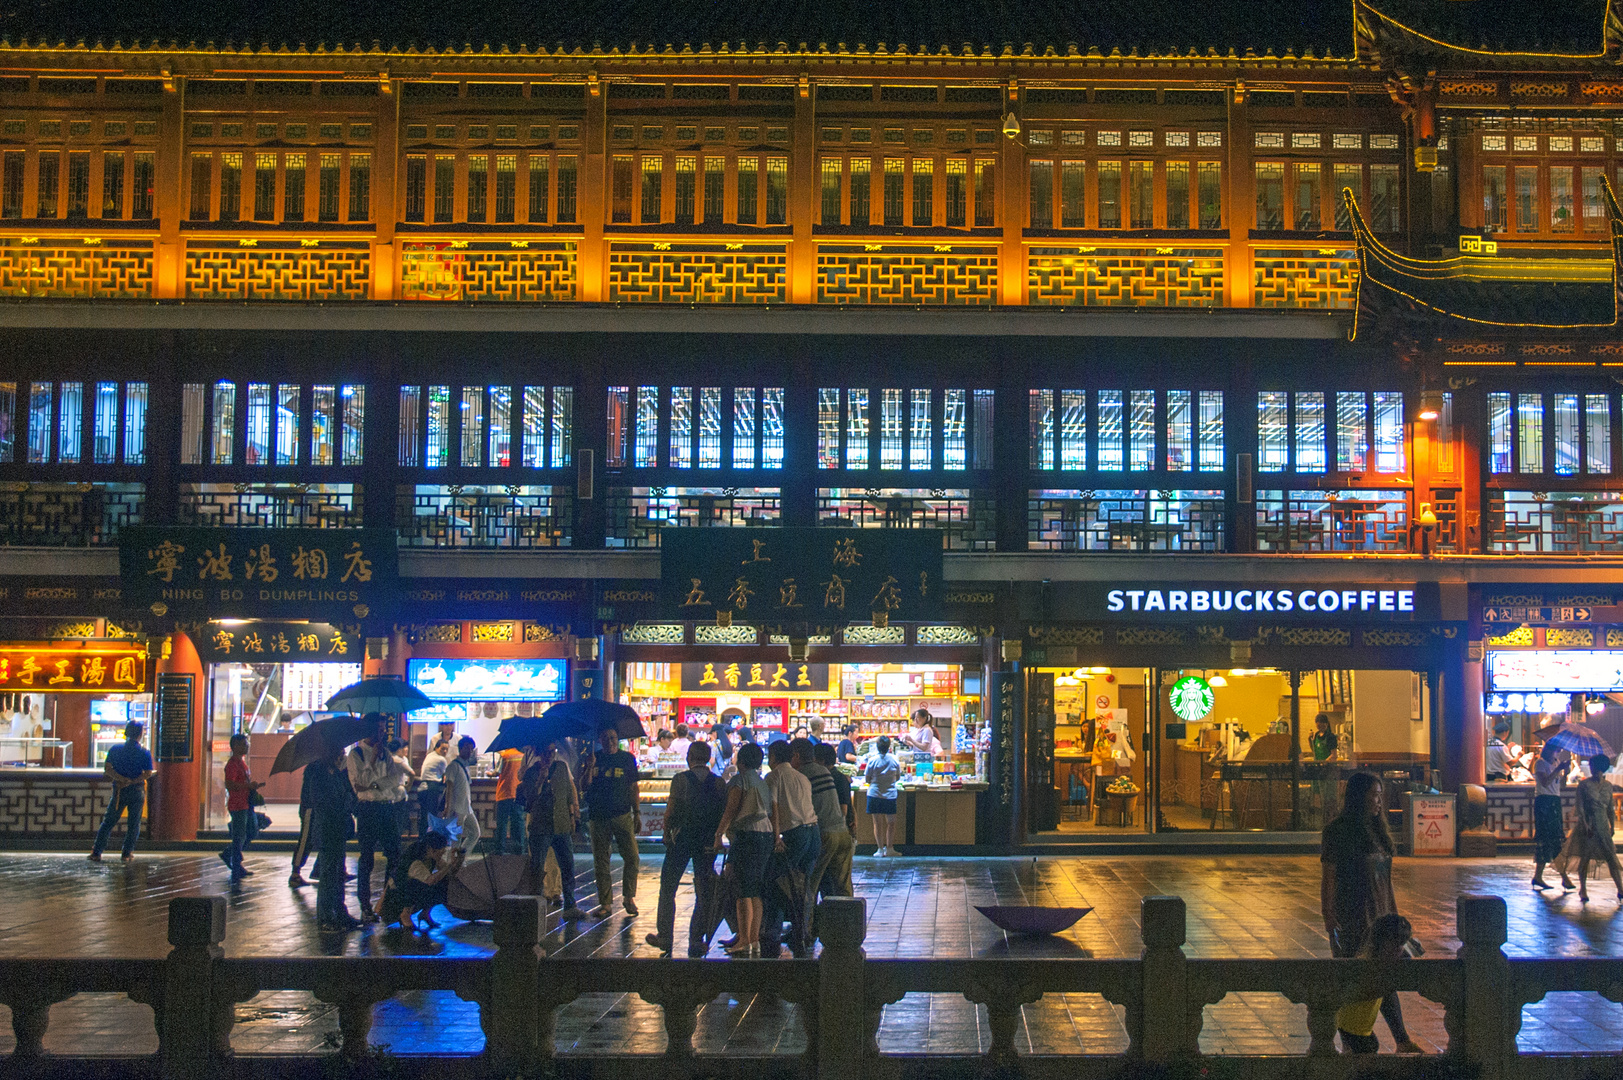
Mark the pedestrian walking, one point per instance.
(509, 811)
(128, 767)
(747, 824)
(304, 845)
(459, 796)
(1549, 826)
(431, 783)
(375, 775)
(697, 801)
(332, 823)
(882, 771)
(798, 847)
(614, 817)
(1355, 887)
(835, 839)
(240, 787)
(1593, 826)
(548, 791)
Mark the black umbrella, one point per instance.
(379, 694)
(320, 741)
(592, 715)
(520, 731)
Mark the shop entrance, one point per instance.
(1234, 749)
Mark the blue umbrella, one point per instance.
(1579, 740)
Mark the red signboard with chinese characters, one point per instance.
(58, 669)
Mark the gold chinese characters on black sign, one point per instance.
(791, 575)
(280, 643)
(338, 574)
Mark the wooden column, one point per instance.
(1011, 260)
(1239, 199)
(177, 787)
(386, 192)
(803, 196)
(169, 196)
(592, 267)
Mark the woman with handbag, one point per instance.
(1355, 888)
(1593, 826)
(548, 791)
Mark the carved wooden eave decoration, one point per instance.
(1387, 36)
(1469, 295)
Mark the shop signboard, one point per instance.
(766, 677)
(1563, 671)
(506, 679)
(61, 669)
(255, 642)
(1192, 699)
(337, 574)
(1327, 603)
(1430, 820)
(819, 576)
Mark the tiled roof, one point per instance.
(1560, 28)
(1325, 26)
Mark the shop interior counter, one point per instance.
(936, 815)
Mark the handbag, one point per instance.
(256, 798)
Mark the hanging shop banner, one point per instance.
(276, 643)
(339, 574)
(57, 669)
(1330, 603)
(767, 677)
(792, 575)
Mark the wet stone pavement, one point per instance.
(1239, 906)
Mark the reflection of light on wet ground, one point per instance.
(1239, 906)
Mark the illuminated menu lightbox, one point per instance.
(490, 680)
(1568, 671)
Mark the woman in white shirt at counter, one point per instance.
(923, 738)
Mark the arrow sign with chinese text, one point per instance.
(821, 576)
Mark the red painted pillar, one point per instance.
(177, 787)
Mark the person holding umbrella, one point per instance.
(332, 804)
(376, 776)
(1549, 830)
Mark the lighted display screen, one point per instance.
(1557, 671)
(490, 680)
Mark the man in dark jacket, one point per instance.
(697, 801)
(332, 803)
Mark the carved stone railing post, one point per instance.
(1487, 1022)
(843, 1035)
(515, 1030)
(1003, 997)
(30, 1016)
(1165, 1004)
(194, 1030)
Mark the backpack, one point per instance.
(707, 802)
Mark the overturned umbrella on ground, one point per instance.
(319, 741)
(473, 892)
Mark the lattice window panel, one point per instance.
(1351, 520)
(874, 635)
(711, 634)
(68, 515)
(105, 272)
(1561, 638)
(278, 273)
(535, 272)
(1558, 523)
(947, 635)
(906, 275)
(1130, 520)
(483, 516)
(1305, 278)
(270, 506)
(1125, 277)
(968, 517)
(655, 634)
(635, 515)
(814, 639)
(698, 274)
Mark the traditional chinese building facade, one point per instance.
(1160, 321)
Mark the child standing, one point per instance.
(1355, 1021)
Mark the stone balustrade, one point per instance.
(840, 996)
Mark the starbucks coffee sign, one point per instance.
(1192, 699)
(1327, 603)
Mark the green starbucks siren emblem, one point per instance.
(1192, 698)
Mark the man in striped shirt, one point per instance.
(837, 847)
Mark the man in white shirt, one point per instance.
(377, 777)
(1501, 756)
(459, 795)
(794, 817)
(431, 790)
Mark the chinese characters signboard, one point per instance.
(276, 643)
(174, 718)
(55, 669)
(766, 677)
(820, 576)
(340, 574)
